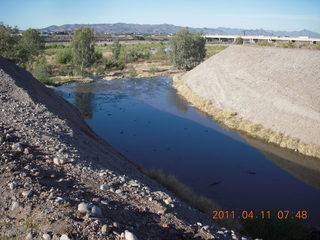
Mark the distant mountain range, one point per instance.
(119, 28)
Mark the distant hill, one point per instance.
(119, 28)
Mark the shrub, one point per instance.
(238, 40)
(187, 49)
(64, 56)
(111, 63)
(132, 72)
(97, 55)
(42, 71)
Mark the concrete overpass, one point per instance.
(226, 38)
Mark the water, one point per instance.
(148, 122)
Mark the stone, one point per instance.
(118, 191)
(46, 236)
(17, 147)
(12, 185)
(104, 187)
(58, 161)
(64, 237)
(104, 202)
(29, 236)
(14, 205)
(168, 201)
(104, 229)
(60, 200)
(26, 151)
(27, 193)
(83, 207)
(96, 211)
(129, 235)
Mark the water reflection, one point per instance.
(84, 100)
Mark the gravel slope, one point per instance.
(59, 180)
(277, 88)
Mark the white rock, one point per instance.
(46, 236)
(104, 187)
(129, 235)
(17, 147)
(26, 193)
(167, 201)
(29, 236)
(118, 191)
(64, 237)
(96, 211)
(104, 202)
(12, 185)
(83, 207)
(60, 200)
(14, 206)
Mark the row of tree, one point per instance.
(186, 49)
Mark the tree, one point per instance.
(187, 49)
(29, 47)
(83, 47)
(238, 40)
(9, 39)
(116, 49)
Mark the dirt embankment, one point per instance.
(269, 93)
(59, 180)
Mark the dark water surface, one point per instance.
(148, 122)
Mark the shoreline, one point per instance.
(234, 122)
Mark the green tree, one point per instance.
(116, 49)
(9, 39)
(238, 40)
(30, 46)
(83, 47)
(187, 49)
(42, 71)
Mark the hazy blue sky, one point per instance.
(268, 14)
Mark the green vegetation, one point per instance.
(238, 40)
(116, 50)
(187, 49)
(83, 48)
(275, 229)
(64, 56)
(132, 72)
(42, 71)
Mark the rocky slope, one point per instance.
(274, 89)
(59, 180)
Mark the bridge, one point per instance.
(249, 38)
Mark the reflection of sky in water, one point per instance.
(150, 124)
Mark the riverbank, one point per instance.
(267, 93)
(59, 180)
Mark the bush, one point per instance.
(132, 72)
(187, 49)
(112, 63)
(64, 56)
(238, 40)
(97, 55)
(42, 71)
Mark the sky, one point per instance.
(287, 15)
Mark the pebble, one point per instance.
(29, 236)
(58, 161)
(104, 229)
(46, 236)
(64, 237)
(129, 235)
(12, 185)
(118, 191)
(104, 187)
(96, 211)
(26, 193)
(26, 151)
(14, 206)
(168, 201)
(17, 147)
(104, 202)
(83, 207)
(60, 200)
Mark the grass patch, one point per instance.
(213, 49)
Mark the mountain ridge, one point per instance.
(118, 28)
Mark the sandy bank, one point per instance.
(269, 93)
